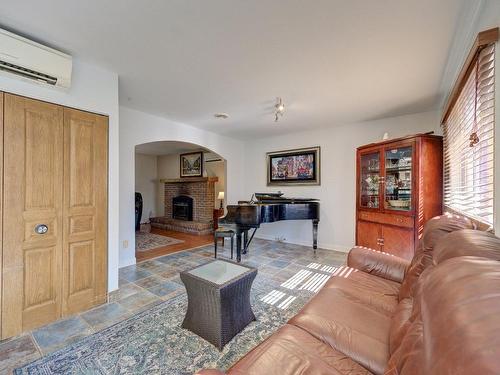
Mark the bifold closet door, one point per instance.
(54, 260)
(85, 210)
(32, 214)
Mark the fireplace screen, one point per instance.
(182, 208)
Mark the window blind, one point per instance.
(469, 142)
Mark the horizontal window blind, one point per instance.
(469, 142)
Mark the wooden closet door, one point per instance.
(33, 181)
(85, 210)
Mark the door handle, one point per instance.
(41, 229)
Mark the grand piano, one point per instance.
(268, 208)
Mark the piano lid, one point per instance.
(278, 198)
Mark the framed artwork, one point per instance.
(294, 167)
(191, 164)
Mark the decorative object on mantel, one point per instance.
(221, 198)
(294, 167)
(191, 164)
(386, 136)
(279, 109)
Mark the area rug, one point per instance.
(153, 342)
(145, 241)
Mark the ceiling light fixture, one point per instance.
(279, 109)
(221, 115)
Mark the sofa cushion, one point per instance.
(467, 242)
(291, 351)
(434, 230)
(349, 325)
(460, 312)
(400, 323)
(380, 293)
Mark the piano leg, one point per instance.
(315, 234)
(238, 246)
(245, 241)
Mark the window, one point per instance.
(468, 129)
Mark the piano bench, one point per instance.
(222, 232)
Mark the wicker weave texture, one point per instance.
(218, 312)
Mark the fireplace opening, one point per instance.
(182, 208)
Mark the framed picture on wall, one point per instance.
(191, 164)
(294, 167)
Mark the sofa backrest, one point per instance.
(454, 323)
(434, 230)
(467, 242)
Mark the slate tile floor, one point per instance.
(151, 282)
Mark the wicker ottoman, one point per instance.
(218, 300)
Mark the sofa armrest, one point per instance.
(377, 263)
(210, 372)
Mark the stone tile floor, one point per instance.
(151, 282)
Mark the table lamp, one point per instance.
(221, 197)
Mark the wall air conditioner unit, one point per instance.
(34, 61)
(211, 157)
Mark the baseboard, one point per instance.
(127, 262)
(341, 248)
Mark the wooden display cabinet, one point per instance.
(399, 187)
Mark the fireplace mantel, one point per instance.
(184, 180)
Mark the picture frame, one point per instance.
(191, 164)
(299, 166)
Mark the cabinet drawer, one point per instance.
(391, 219)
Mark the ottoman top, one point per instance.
(219, 271)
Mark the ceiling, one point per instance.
(332, 61)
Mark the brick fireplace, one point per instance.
(202, 192)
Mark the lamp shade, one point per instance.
(221, 195)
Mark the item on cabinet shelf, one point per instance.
(399, 203)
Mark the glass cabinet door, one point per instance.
(370, 180)
(398, 179)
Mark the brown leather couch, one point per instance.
(438, 314)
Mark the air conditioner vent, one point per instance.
(30, 60)
(28, 73)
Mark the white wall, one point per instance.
(337, 192)
(217, 169)
(137, 128)
(146, 183)
(95, 90)
(168, 167)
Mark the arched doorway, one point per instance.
(178, 186)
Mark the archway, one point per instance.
(178, 187)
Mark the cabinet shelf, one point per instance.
(399, 169)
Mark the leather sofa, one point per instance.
(438, 314)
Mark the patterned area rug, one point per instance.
(145, 241)
(152, 341)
